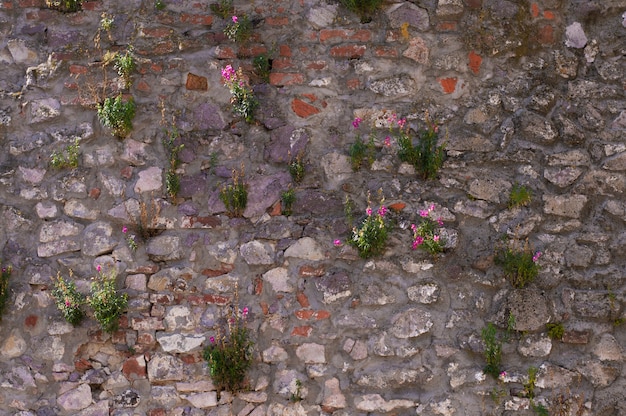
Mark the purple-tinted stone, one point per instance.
(187, 155)
(317, 202)
(190, 239)
(192, 185)
(188, 208)
(207, 117)
(273, 123)
(223, 171)
(285, 143)
(61, 39)
(264, 191)
(33, 29)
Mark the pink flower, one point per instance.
(423, 213)
(245, 312)
(124, 229)
(368, 211)
(413, 227)
(356, 122)
(67, 303)
(432, 207)
(337, 243)
(503, 374)
(235, 19)
(99, 268)
(387, 141)
(417, 242)
(382, 211)
(228, 72)
(536, 256)
(436, 129)
(440, 221)
(436, 238)
(212, 339)
(402, 122)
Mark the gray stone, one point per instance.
(311, 353)
(33, 176)
(376, 294)
(322, 16)
(387, 376)
(114, 186)
(19, 378)
(150, 180)
(336, 167)
(578, 256)
(575, 157)
(601, 182)
(396, 86)
(591, 305)
(305, 248)
(356, 348)
(164, 248)
(425, 293)
(528, 306)
(165, 395)
(463, 376)
(562, 177)
(78, 209)
(489, 189)
(333, 398)
(417, 50)
(285, 144)
(405, 12)
(102, 156)
(14, 345)
(44, 109)
(128, 398)
(564, 206)
(535, 345)
(575, 36)
(164, 367)
(21, 53)
(53, 231)
(202, 400)
(97, 239)
(179, 343)
(274, 354)
(566, 64)
(599, 374)
(616, 163)
(278, 278)
(207, 116)
(135, 153)
(285, 382)
(179, 317)
(75, 399)
(411, 323)
(538, 129)
(475, 208)
(608, 349)
(47, 210)
(334, 286)
(257, 253)
(449, 8)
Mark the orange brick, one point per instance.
(386, 52)
(197, 19)
(302, 331)
(548, 15)
(321, 315)
(534, 10)
(304, 314)
(316, 65)
(303, 109)
(348, 51)
(277, 21)
(225, 52)
(284, 50)
(286, 78)
(474, 62)
(303, 300)
(448, 84)
(353, 84)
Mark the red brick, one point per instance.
(318, 315)
(546, 35)
(303, 109)
(258, 286)
(143, 86)
(310, 271)
(304, 314)
(447, 26)
(448, 84)
(284, 50)
(474, 62)
(386, 52)
(197, 19)
(316, 65)
(91, 5)
(147, 324)
(286, 78)
(82, 365)
(225, 52)
(31, 321)
(341, 35)
(276, 209)
(348, 51)
(31, 3)
(134, 368)
(534, 10)
(94, 193)
(303, 300)
(548, 15)
(353, 84)
(6, 5)
(277, 21)
(78, 69)
(190, 358)
(302, 331)
(252, 51)
(146, 338)
(265, 308)
(156, 32)
(196, 82)
(398, 206)
(474, 4)
(282, 63)
(575, 337)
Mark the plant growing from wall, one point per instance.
(365, 9)
(519, 196)
(223, 8)
(66, 158)
(426, 154)
(159, 5)
(65, 6)
(172, 179)
(107, 304)
(67, 299)
(518, 261)
(131, 240)
(361, 153)
(493, 350)
(262, 65)
(125, 66)
(555, 330)
(370, 238)
(240, 29)
(117, 115)
(427, 235)
(287, 199)
(242, 96)
(5, 275)
(229, 353)
(297, 168)
(235, 195)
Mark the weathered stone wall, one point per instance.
(526, 92)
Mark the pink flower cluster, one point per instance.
(228, 73)
(536, 256)
(357, 121)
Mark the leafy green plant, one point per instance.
(287, 199)
(223, 8)
(240, 29)
(235, 195)
(426, 155)
(66, 158)
(243, 100)
(65, 6)
(296, 396)
(106, 25)
(125, 65)
(371, 237)
(159, 5)
(108, 306)
(365, 9)
(361, 153)
(555, 330)
(529, 386)
(497, 395)
(172, 180)
(519, 196)
(5, 275)
(262, 67)
(297, 168)
(493, 350)
(68, 300)
(130, 239)
(518, 262)
(539, 409)
(229, 354)
(117, 114)
(427, 235)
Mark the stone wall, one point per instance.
(525, 92)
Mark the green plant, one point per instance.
(125, 65)
(65, 6)
(361, 153)
(223, 8)
(67, 158)
(262, 67)
(296, 168)
(240, 29)
(117, 114)
(493, 350)
(518, 262)
(555, 330)
(68, 299)
(296, 396)
(348, 209)
(5, 275)
(519, 196)
(108, 306)
(243, 100)
(235, 196)
(371, 237)
(229, 354)
(426, 156)
(106, 24)
(159, 5)
(497, 395)
(287, 198)
(172, 180)
(539, 409)
(427, 235)
(365, 9)
(130, 239)
(529, 386)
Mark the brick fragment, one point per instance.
(448, 84)
(196, 82)
(277, 21)
(546, 35)
(303, 109)
(348, 51)
(311, 271)
(197, 19)
(302, 331)
(475, 61)
(286, 78)
(303, 300)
